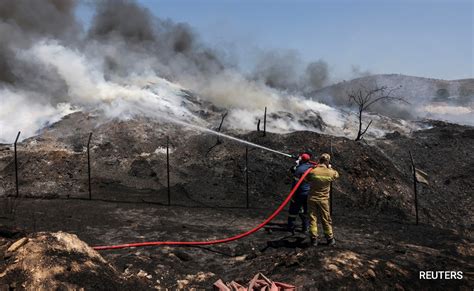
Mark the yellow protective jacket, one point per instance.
(320, 179)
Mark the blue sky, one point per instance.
(419, 37)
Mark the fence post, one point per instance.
(168, 168)
(265, 122)
(247, 174)
(330, 198)
(414, 186)
(330, 184)
(89, 165)
(16, 166)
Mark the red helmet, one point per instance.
(305, 157)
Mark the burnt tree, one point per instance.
(218, 130)
(220, 126)
(364, 98)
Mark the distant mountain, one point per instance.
(451, 100)
(412, 88)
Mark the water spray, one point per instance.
(204, 129)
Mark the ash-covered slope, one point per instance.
(129, 163)
(444, 152)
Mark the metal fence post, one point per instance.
(265, 122)
(331, 197)
(89, 165)
(247, 174)
(414, 186)
(16, 166)
(168, 168)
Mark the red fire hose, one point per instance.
(212, 242)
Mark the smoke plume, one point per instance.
(286, 71)
(130, 63)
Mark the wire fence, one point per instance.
(99, 187)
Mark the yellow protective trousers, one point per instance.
(319, 207)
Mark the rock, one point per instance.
(182, 283)
(335, 269)
(371, 274)
(142, 274)
(292, 261)
(126, 270)
(393, 135)
(240, 258)
(141, 168)
(183, 256)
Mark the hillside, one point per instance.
(373, 202)
(451, 100)
(413, 88)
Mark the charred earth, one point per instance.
(378, 243)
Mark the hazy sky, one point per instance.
(419, 37)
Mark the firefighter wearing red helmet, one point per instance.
(299, 202)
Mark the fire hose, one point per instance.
(217, 241)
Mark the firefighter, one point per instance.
(320, 179)
(299, 204)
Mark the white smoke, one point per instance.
(146, 94)
(88, 88)
(18, 113)
(448, 112)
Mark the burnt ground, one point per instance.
(379, 246)
(394, 250)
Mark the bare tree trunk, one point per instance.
(359, 133)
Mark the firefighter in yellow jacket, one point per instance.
(320, 179)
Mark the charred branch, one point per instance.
(218, 141)
(220, 126)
